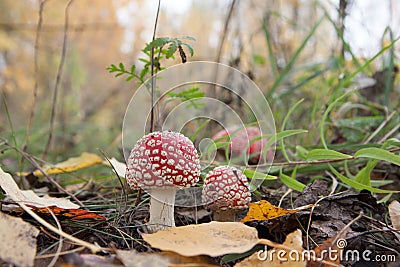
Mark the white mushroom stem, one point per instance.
(162, 208)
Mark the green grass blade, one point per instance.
(379, 154)
(325, 154)
(293, 59)
(291, 182)
(325, 116)
(271, 57)
(357, 185)
(285, 120)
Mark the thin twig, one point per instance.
(153, 87)
(221, 44)
(58, 79)
(61, 253)
(60, 245)
(380, 127)
(225, 30)
(153, 80)
(93, 248)
(35, 86)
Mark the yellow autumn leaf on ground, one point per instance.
(263, 210)
(70, 165)
(213, 239)
(18, 246)
(279, 257)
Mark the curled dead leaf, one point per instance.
(29, 197)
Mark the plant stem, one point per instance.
(58, 79)
(153, 80)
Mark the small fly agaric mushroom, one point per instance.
(242, 140)
(162, 163)
(225, 191)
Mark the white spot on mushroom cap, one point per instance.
(156, 154)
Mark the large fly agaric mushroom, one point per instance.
(162, 163)
(225, 191)
(242, 140)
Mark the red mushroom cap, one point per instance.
(242, 140)
(163, 159)
(225, 187)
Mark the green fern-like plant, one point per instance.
(164, 47)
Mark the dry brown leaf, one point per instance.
(270, 258)
(19, 245)
(29, 197)
(133, 258)
(394, 212)
(70, 165)
(263, 210)
(213, 239)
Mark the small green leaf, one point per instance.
(190, 48)
(301, 152)
(156, 43)
(357, 185)
(173, 46)
(377, 183)
(364, 176)
(188, 38)
(379, 154)
(133, 68)
(260, 60)
(252, 174)
(291, 183)
(325, 154)
(279, 136)
(391, 142)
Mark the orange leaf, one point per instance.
(73, 214)
(263, 210)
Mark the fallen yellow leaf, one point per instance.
(221, 238)
(70, 165)
(212, 239)
(263, 210)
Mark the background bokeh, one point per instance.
(259, 38)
